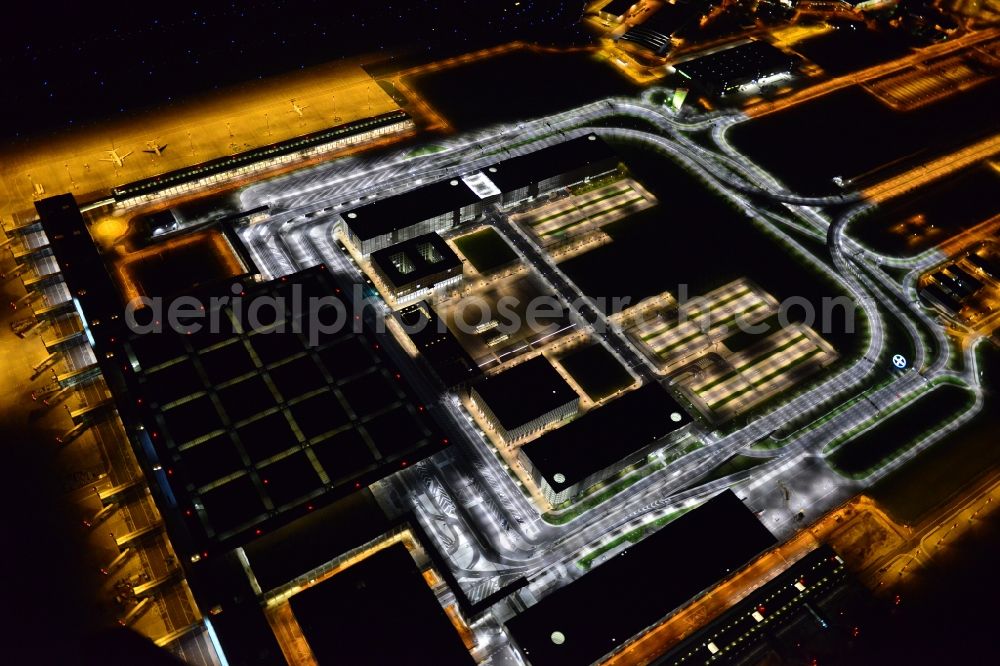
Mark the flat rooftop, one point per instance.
(655, 31)
(525, 392)
(820, 573)
(402, 210)
(438, 345)
(315, 538)
(415, 259)
(605, 435)
(257, 427)
(378, 611)
(743, 62)
(79, 261)
(641, 585)
(554, 160)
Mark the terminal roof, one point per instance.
(517, 172)
(525, 392)
(315, 538)
(254, 424)
(403, 210)
(381, 608)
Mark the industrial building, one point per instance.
(525, 399)
(764, 624)
(447, 203)
(568, 460)
(413, 269)
(727, 71)
(641, 585)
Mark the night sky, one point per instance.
(64, 63)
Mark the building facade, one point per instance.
(524, 399)
(413, 269)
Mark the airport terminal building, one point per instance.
(525, 177)
(431, 208)
(445, 204)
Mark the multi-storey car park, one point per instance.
(230, 427)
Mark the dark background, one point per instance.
(64, 64)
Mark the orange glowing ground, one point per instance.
(176, 265)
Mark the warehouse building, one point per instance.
(525, 399)
(566, 461)
(725, 72)
(656, 33)
(411, 270)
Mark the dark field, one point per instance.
(851, 134)
(897, 433)
(596, 370)
(909, 225)
(950, 464)
(518, 85)
(844, 50)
